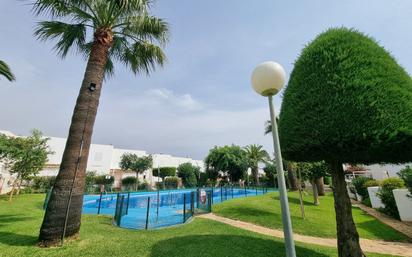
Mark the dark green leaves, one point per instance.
(347, 100)
(6, 72)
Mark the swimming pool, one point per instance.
(155, 209)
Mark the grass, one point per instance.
(20, 222)
(320, 220)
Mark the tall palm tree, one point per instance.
(5, 71)
(255, 154)
(103, 31)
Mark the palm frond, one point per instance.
(143, 57)
(66, 35)
(146, 28)
(6, 72)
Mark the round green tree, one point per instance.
(348, 101)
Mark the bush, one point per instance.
(327, 180)
(129, 183)
(171, 182)
(372, 183)
(187, 172)
(367, 202)
(41, 184)
(359, 184)
(164, 172)
(102, 180)
(386, 195)
(406, 176)
(143, 186)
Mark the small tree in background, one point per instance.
(132, 162)
(128, 182)
(313, 172)
(347, 101)
(188, 172)
(164, 172)
(271, 173)
(255, 154)
(24, 156)
(230, 160)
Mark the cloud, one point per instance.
(169, 97)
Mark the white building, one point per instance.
(103, 159)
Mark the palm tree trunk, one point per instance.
(74, 161)
(256, 175)
(348, 237)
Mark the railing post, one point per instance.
(128, 200)
(209, 195)
(100, 203)
(232, 192)
(245, 192)
(192, 202)
(256, 190)
(120, 211)
(212, 196)
(184, 207)
(147, 212)
(221, 194)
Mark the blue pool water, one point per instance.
(165, 208)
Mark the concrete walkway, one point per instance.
(375, 246)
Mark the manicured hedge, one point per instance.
(386, 195)
(348, 100)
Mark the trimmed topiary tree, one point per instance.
(347, 101)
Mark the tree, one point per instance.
(271, 173)
(120, 30)
(230, 160)
(6, 72)
(164, 172)
(130, 161)
(24, 156)
(188, 172)
(313, 172)
(255, 154)
(347, 101)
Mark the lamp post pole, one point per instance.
(268, 79)
(284, 204)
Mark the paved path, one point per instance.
(376, 246)
(403, 227)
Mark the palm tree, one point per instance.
(103, 31)
(255, 154)
(5, 71)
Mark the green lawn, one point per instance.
(20, 221)
(320, 220)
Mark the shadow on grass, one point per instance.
(17, 239)
(248, 211)
(4, 219)
(296, 200)
(224, 245)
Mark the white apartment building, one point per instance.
(103, 159)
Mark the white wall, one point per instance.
(117, 155)
(404, 204)
(375, 200)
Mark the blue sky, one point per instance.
(202, 97)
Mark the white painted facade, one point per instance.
(404, 203)
(103, 159)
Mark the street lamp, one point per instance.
(268, 79)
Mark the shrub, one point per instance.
(367, 202)
(187, 172)
(372, 183)
(406, 176)
(143, 186)
(171, 182)
(164, 172)
(327, 180)
(41, 184)
(386, 195)
(128, 183)
(359, 184)
(102, 180)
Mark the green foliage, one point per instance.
(347, 100)
(327, 180)
(360, 186)
(164, 172)
(25, 156)
(270, 173)
(406, 176)
(6, 72)
(41, 184)
(229, 160)
(386, 195)
(90, 180)
(187, 172)
(132, 162)
(128, 181)
(104, 180)
(171, 182)
(312, 170)
(367, 202)
(255, 154)
(372, 183)
(136, 35)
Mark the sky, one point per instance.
(202, 97)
